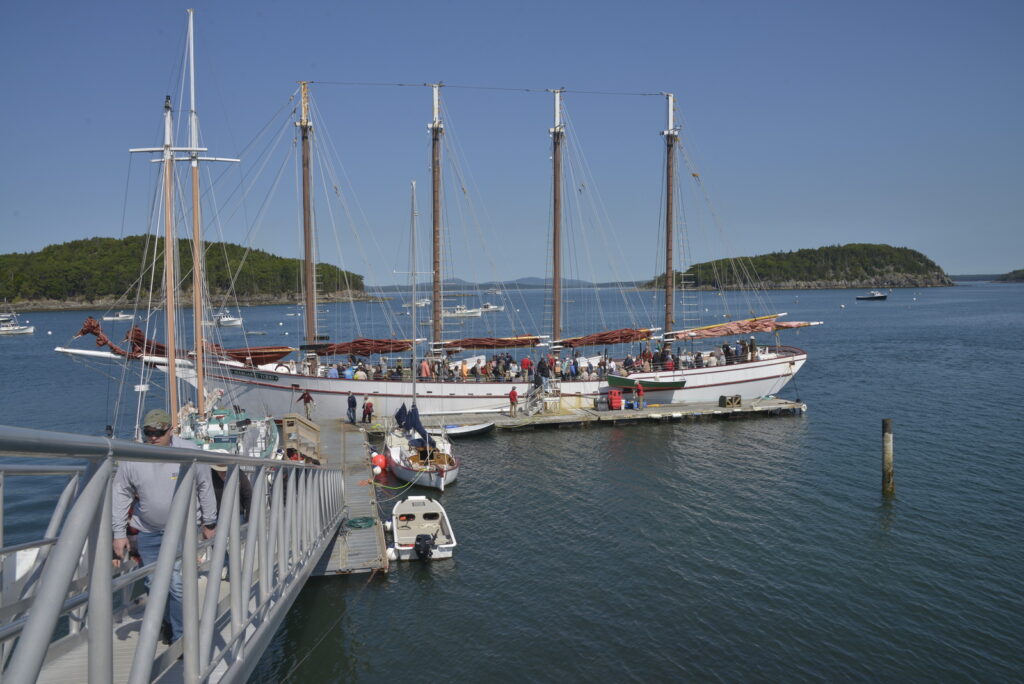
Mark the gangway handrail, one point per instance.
(69, 586)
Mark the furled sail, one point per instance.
(252, 356)
(365, 347)
(747, 326)
(493, 342)
(619, 336)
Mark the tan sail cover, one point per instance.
(365, 347)
(620, 336)
(749, 326)
(493, 342)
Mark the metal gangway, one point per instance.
(67, 615)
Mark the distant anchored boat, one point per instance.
(10, 325)
(119, 316)
(873, 296)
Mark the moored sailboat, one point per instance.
(199, 418)
(413, 454)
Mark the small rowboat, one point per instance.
(462, 429)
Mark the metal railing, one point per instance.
(534, 402)
(60, 597)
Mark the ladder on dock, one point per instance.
(543, 398)
(66, 615)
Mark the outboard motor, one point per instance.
(424, 546)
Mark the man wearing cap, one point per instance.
(146, 488)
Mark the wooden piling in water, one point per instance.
(888, 480)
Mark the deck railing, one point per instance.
(60, 595)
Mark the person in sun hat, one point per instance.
(141, 496)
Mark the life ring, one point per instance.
(281, 367)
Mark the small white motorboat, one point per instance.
(420, 530)
(460, 311)
(10, 325)
(487, 307)
(462, 429)
(873, 296)
(419, 302)
(119, 316)
(224, 318)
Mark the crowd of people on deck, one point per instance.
(502, 367)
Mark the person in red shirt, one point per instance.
(526, 364)
(513, 399)
(640, 395)
(307, 402)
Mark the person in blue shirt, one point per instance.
(351, 409)
(332, 372)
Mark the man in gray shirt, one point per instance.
(150, 486)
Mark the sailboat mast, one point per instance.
(671, 134)
(412, 231)
(557, 133)
(436, 131)
(197, 243)
(305, 126)
(170, 250)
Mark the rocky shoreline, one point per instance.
(879, 283)
(112, 303)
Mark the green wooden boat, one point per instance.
(619, 381)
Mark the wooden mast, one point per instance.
(557, 133)
(197, 242)
(436, 131)
(170, 252)
(198, 279)
(305, 126)
(412, 259)
(671, 134)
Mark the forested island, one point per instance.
(1012, 277)
(839, 266)
(105, 272)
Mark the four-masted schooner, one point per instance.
(264, 379)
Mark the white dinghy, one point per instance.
(420, 530)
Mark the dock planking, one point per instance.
(353, 550)
(587, 417)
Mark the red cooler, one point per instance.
(614, 399)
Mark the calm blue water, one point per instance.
(738, 550)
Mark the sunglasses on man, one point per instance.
(150, 433)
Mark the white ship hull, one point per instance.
(279, 391)
(705, 385)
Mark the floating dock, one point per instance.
(359, 545)
(586, 417)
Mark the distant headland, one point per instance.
(97, 272)
(834, 267)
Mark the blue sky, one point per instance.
(812, 123)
